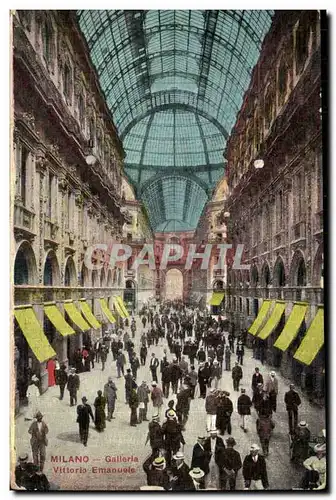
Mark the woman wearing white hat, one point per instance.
(316, 466)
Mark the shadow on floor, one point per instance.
(73, 437)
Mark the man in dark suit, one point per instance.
(257, 378)
(216, 446)
(254, 470)
(229, 465)
(292, 402)
(73, 386)
(181, 480)
(153, 365)
(201, 457)
(84, 412)
(38, 440)
(156, 471)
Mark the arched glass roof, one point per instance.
(174, 82)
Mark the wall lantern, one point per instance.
(259, 163)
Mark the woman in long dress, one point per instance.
(51, 365)
(100, 417)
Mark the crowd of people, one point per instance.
(199, 348)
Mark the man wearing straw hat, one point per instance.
(156, 472)
(39, 441)
(181, 480)
(254, 470)
(197, 475)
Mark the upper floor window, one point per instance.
(279, 210)
(22, 157)
(302, 35)
(50, 195)
(47, 39)
(282, 83)
(268, 109)
(81, 110)
(92, 130)
(67, 81)
(300, 196)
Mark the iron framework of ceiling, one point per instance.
(174, 82)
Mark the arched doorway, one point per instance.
(70, 278)
(265, 278)
(254, 276)
(84, 276)
(298, 273)
(130, 295)
(174, 284)
(25, 270)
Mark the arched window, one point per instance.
(48, 40)
(21, 274)
(282, 82)
(301, 274)
(302, 35)
(81, 110)
(67, 81)
(268, 109)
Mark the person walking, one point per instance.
(165, 379)
(230, 463)
(254, 470)
(237, 375)
(153, 366)
(224, 412)
(216, 373)
(203, 378)
(257, 379)
(272, 389)
(292, 402)
(156, 472)
(62, 379)
(193, 381)
(211, 403)
(157, 399)
(120, 363)
(143, 354)
(173, 437)
(155, 436)
(227, 355)
(183, 405)
(244, 404)
(143, 391)
(135, 365)
(264, 426)
(73, 386)
(128, 385)
(110, 393)
(201, 457)
(133, 402)
(38, 441)
(231, 340)
(181, 480)
(100, 417)
(103, 356)
(240, 352)
(175, 375)
(84, 412)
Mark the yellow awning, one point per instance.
(272, 321)
(76, 316)
(107, 311)
(123, 307)
(292, 326)
(260, 318)
(313, 340)
(34, 334)
(216, 298)
(57, 319)
(88, 314)
(118, 308)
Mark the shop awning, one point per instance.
(292, 326)
(272, 321)
(261, 317)
(76, 316)
(216, 298)
(88, 314)
(33, 333)
(107, 311)
(123, 307)
(312, 341)
(57, 319)
(118, 308)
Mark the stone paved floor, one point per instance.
(119, 439)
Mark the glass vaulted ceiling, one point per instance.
(174, 82)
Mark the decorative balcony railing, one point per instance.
(24, 218)
(298, 231)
